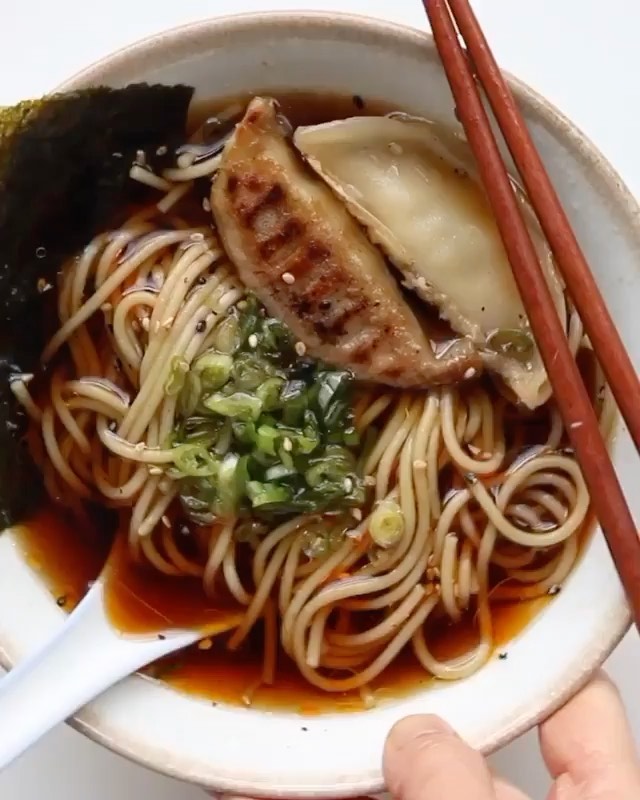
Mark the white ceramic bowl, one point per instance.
(272, 754)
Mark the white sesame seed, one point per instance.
(117, 155)
(348, 485)
(155, 471)
(288, 278)
(287, 444)
(419, 464)
(252, 341)
(356, 513)
(146, 323)
(43, 285)
(141, 157)
(575, 425)
(167, 323)
(162, 150)
(166, 521)
(206, 205)
(301, 348)
(469, 373)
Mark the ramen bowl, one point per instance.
(277, 753)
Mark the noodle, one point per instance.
(153, 294)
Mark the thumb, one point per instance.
(425, 759)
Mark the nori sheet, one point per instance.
(64, 176)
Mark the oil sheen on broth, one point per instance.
(141, 600)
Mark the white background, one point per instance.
(582, 54)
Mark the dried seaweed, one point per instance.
(64, 176)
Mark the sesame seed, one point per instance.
(112, 425)
(469, 373)
(348, 485)
(197, 237)
(575, 425)
(155, 471)
(166, 521)
(146, 323)
(288, 278)
(356, 513)
(205, 644)
(206, 205)
(301, 348)
(168, 323)
(162, 150)
(419, 464)
(116, 155)
(252, 341)
(141, 157)
(287, 444)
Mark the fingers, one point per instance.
(425, 759)
(588, 746)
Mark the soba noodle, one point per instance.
(474, 505)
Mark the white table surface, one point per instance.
(581, 54)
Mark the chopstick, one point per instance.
(570, 393)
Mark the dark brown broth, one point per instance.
(141, 600)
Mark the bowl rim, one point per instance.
(180, 40)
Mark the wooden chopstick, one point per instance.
(601, 330)
(570, 393)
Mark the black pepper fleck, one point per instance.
(304, 729)
(503, 656)
(161, 637)
(201, 326)
(358, 101)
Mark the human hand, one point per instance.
(587, 747)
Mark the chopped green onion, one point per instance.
(386, 525)
(231, 481)
(177, 375)
(227, 335)
(190, 394)
(194, 460)
(269, 393)
(214, 370)
(263, 495)
(238, 405)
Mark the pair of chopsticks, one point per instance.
(467, 69)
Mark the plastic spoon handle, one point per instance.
(78, 664)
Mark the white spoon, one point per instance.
(84, 659)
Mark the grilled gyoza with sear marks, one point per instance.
(298, 248)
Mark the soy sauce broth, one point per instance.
(143, 601)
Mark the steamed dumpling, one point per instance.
(415, 194)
